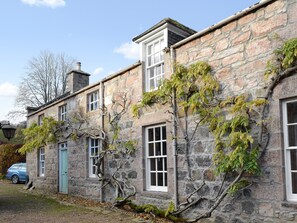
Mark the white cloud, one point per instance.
(98, 70)
(8, 90)
(130, 50)
(48, 3)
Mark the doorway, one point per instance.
(63, 168)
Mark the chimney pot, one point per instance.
(78, 66)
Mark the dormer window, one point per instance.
(152, 44)
(154, 64)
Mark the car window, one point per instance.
(14, 167)
(21, 166)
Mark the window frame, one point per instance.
(93, 102)
(287, 152)
(41, 162)
(40, 119)
(91, 157)
(152, 65)
(63, 112)
(149, 159)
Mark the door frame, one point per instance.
(65, 150)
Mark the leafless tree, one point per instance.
(45, 80)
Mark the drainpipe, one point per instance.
(102, 127)
(174, 132)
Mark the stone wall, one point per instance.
(79, 182)
(238, 52)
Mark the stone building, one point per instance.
(238, 49)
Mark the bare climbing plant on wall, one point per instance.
(237, 124)
(116, 148)
(119, 150)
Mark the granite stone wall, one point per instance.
(238, 52)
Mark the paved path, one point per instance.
(17, 206)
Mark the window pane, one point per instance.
(292, 112)
(164, 132)
(149, 49)
(165, 164)
(149, 61)
(158, 149)
(162, 46)
(151, 149)
(156, 58)
(153, 179)
(293, 159)
(160, 163)
(151, 135)
(294, 183)
(159, 80)
(158, 133)
(151, 72)
(164, 148)
(292, 133)
(165, 175)
(157, 46)
(158, 70)
(160, 179)
(152, 84)
(153, 164)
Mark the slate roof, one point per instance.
(162, 22)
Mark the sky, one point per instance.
(95, 32)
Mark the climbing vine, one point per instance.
(116, 148)
(52, 131)
(119, 150)
(37, 136)
(233, 122)
(194, 91)
(237, 124)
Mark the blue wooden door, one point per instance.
(63, 168)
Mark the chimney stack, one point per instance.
(78, 66)
(77, 79)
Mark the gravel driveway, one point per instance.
(19, 206)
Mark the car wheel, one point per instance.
(15, 179)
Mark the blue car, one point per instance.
(17, 173)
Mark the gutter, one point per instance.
(121, 72)
(236, 16)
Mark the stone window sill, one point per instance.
(156, 194)
(93, 179)
(289, 204)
